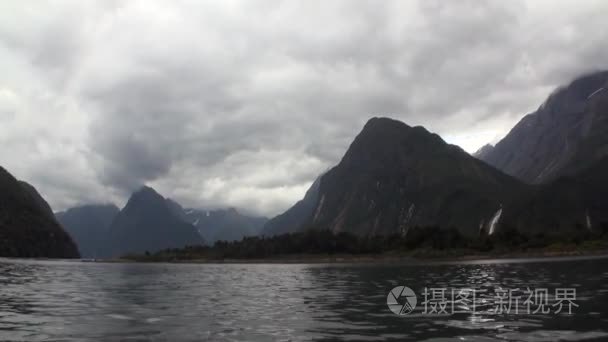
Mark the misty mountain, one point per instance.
(220, 224)
(291, 220)
(483, 151)
(568, 133)
(148, 223)
(89, 226)
(27, 225)
(394, 177)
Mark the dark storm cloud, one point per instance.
(245, 103)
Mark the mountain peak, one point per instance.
(394, 176)
(382, 140)
(382, 122)
(146, 197)
(146, 190)
(149, 222)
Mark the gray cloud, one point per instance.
(243, 103)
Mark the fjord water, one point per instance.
(67, 300)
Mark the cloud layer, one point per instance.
(243, 103)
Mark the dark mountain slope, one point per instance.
(571, 203)
(89, 225)
(292, 220)
(27, 225)
(569, 132)
(38, 198)
(147, 223)
(395, 176)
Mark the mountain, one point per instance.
(88, 226)
(483, 151)
(177, 209)
(566, 134)
(292, 220)
(220, 224)
(224, 224)
(147, 223)
(570, 204)
(394, 177)
(37, 198)
(27, 225)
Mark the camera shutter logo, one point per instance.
(401, 300)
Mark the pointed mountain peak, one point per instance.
(388, 129)
(383, 122)
(483, 151)
(146, 197)
(382, 140)
(149, 222)
(146, 190)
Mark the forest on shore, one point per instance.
(423, 242)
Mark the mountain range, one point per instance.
(150, 222)
(394, 177)
(220, 224)
(547, 175)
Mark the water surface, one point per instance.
(75, 301)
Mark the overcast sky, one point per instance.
(244, 103)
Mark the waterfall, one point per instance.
(494, 221)
(588, 220)
(318, 211)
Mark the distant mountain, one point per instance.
(568, 133)
(27, 225)
(220, 224)
(394, 177)
(89, 226)
(483, 151)
(292, 220)
(148, 223)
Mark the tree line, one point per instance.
(430, 240)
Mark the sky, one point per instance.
(244, 103)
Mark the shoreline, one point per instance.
(513, 257)
(384, 258)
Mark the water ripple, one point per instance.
(69, 301)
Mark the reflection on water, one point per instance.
(44, 300)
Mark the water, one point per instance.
(74, 301)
